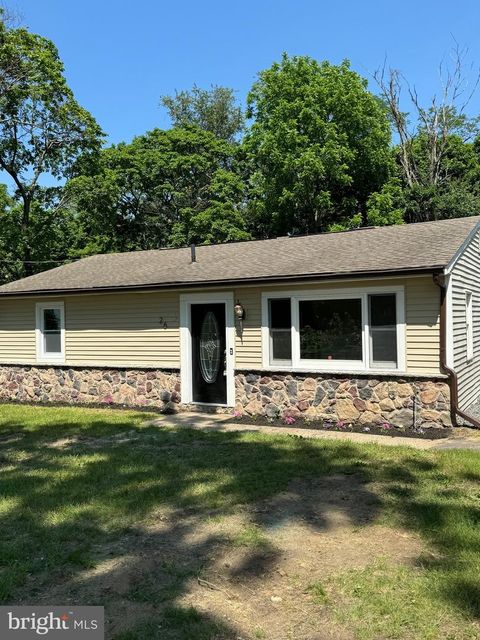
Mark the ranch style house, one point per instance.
(375, 324)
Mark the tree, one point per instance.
(42, 128)
(55, 230)
(384, 207)
(318, 146)
(436, 159)
(165, 188)
(213, 110)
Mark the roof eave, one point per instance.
(224, 283)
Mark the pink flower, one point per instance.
(237, 414)
(289, 419)
(386, 425)
(340, 424)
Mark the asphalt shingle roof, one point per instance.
(406, 248)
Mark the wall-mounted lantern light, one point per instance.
(239, 311)
(239, 315)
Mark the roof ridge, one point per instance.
(286, 237)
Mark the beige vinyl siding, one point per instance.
(123, 330)
(422, 311)
(466, 277)
(248, 343)
(120, 330)
(17, 331)
(422, 303)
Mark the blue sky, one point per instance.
(121, 56)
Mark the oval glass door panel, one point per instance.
(210, 352)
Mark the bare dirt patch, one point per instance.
(250, 570)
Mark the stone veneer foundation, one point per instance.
(131, 387)
(365, 400)
(406, 403)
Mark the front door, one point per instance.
(209, 380)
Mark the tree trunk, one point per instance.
(27, 250)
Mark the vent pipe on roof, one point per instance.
(193, 252)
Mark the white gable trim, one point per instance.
(468, 240)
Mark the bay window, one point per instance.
(335, 330)
(50, 330)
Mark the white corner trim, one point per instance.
(471, 236)
(186, 301)
(469, 324)
(41, 357)
(449, 320)
(324, 294)
(265, 331)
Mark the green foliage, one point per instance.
(42, 130)
(455, 192)
(213, 110)
(251, 536)
(318, 593)
(384, 207)
(317, 156)
(318, 145)
(55, 232)
(165, 188)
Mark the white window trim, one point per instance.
(383, 365)
(278, 362)
(299, 365)
(42, 357)
(469, 324)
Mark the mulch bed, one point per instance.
(431, 433)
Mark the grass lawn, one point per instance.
(184, 534)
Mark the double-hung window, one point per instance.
(280, 328)
(382, 315)
(50, 332)
(335, 330)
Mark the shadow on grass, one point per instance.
(81, 512)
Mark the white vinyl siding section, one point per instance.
(465, 277)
